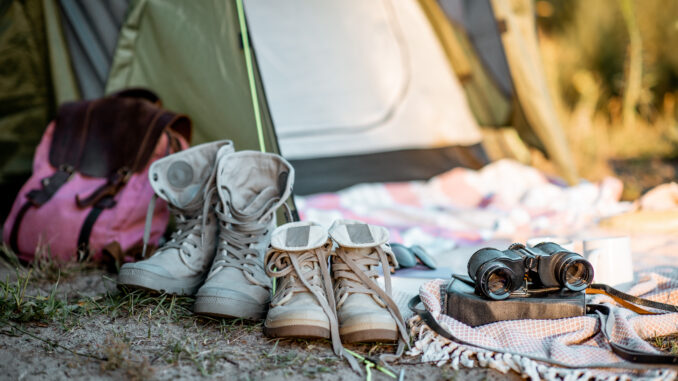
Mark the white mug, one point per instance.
(611, 259)
(566, 243)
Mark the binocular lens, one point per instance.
(578, 274)
(497, 283)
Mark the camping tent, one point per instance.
(349, 91)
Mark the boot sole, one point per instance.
(298, 331)
(228, 308)
(154, 283)
(369, 335)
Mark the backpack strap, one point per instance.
(87, 226)
(37, 198)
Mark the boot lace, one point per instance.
(189, 228)
(235, 237)
(188, 225)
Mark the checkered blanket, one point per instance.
(574, 341)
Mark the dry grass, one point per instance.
(667, 344)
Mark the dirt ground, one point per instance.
(85, 328)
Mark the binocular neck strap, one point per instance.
(629, 301)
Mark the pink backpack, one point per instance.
(89, 191)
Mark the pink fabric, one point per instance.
(55, 226)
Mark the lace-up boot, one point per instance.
(303, 304)
(185, 180)
(365, 311)
(251, 187)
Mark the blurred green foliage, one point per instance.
(594, 39)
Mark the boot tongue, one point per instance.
(254, 183)
(256, 205)
(298, 236)
(356, 234)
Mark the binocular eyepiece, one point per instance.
(498, 273)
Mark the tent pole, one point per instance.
(250, 61)
(250, 74)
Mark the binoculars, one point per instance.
(498, 273)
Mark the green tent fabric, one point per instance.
(195, 70)
(63, 78)
(191, 54)
(26, 101)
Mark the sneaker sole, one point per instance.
(228, 308)
(148, 281)
(370, 335)
(368, 332)
(299, 331)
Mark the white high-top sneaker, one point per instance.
(251, 186)
(365, 311)
(186, 181)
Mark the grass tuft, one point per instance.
(16, 305)
(666, 343)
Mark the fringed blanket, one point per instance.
(575, 341)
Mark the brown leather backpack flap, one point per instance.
(102, 137)
(120, 130)
(138, 92)
(70, 127)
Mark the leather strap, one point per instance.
(622, 298)
(107, 190)
(622, 351)
(602, 312)
(14, 234)
(88, 225)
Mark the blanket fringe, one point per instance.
(432, 347)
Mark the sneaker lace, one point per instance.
(308, 271)
(355, 271)
(235, 237)
(300, 272)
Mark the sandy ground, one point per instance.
(147, 337)
(154, 341)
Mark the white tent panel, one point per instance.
(351, 77)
